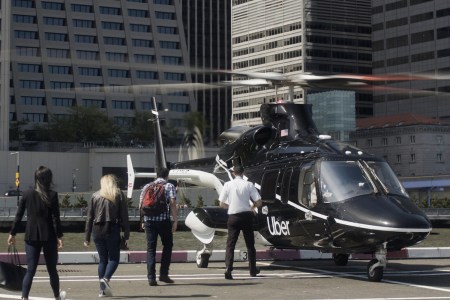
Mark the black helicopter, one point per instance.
(318, 193)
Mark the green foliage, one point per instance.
(82, 125)
(196, 119)
(16, 132)
(200, 202)
(185, 200)
(81, 202)
(65, 202)
(142, 128)
(216, 202)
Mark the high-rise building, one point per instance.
(57, 54)
(295, 37)
(207, 25)
(412, 36)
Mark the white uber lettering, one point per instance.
(278, 227)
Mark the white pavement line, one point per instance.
(346, 274)
(401, 298)
(8, 296)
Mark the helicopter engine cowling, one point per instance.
(243, 141)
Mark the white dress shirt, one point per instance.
(237, 193)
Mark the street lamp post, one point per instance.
(74, 180)
(17, 175)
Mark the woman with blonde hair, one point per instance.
(107, 215)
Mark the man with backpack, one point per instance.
(157, 203)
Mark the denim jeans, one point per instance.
(33, 251)
(108, 249)
(164, 230)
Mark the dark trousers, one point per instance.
(33, 251)
(237, 222)
(108, 248)
(164, 230)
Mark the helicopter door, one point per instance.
(315, 228)
(270, 186)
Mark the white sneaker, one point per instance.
(102, 294)
(107, 288)
(62, 295)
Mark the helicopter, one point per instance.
(317, 193)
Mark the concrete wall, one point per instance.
(86, 167)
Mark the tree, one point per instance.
(142, 129)
(200, 202)
(82, 125)
(81, 202)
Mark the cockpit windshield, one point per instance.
(341, 180)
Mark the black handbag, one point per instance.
(12, 273)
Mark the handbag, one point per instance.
(123, 243)
(12, 273)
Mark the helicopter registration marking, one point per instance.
(278, 227)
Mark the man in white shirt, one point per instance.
(235, 196)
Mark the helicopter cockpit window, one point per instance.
(309, 193)
(341, 180)
(384, 173)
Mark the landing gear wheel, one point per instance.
(374, 273)
(202, 260)
(340, 259)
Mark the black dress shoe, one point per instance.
(166, 279)
(228, 275)
(255, 272)
(152, 282)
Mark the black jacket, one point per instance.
(43, 222)
(101, 210)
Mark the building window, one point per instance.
(439, 157)
(92, 87)
(412, 139)
(93, 103)
(112, 26)
(399, 158)
(82, 8)
(86, 71)
(115, 11)
(169, 45)
(178, 107)
(28, 35)
(87, 55)
(66, 70)
(123, 121)
(65, 102)
(147, 74)
(31, 84)
(120, 104)
(165, 15)
(439, 139)
(52, 5)
(24, 19)
(139, 28)
(163, 2)
(144, 58)
(30, 100)
(174, 76)
(118, 73)
(142, 43)
(31, 68)
(54, 21)
(58, 37)
(114, 41)
(412, 157)
(34, 117)
(138, 13)
(58, 53)
(61, 85)
(27, 51)
(172, 60)
(116, 56)
(85, 39)
(23, 3)
(422, 37)
(167, 30)
(369, 142)
(384, 141)
(398, 140)
(83, 23)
